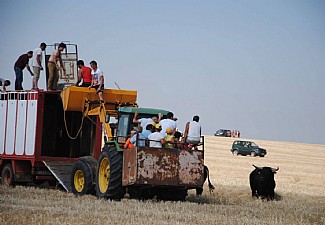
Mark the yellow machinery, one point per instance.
(82, 99)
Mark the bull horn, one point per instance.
(256, 167)
(274, 170)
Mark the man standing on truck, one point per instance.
(84, 74)
(37, 64)
(20, 65)
(52, 65)
(97, 81)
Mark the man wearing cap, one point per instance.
(169, 138)
(168, 122)
(156, 138)
(145, 121)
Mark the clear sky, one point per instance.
(254, 66)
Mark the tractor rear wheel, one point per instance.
(81, 179)
(7, 175)
(109, 174)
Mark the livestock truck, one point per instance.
(57, 137)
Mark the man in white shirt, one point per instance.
(37, 64)
(97, 81)
(145, 121)
(168, 122)
(156, 138)
(192, 132)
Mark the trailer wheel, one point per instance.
(81, 179)
(109, 174)
(7, 175)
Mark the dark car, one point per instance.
(223, 133)
(247, 148)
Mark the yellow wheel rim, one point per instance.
(104, 175)
(79, 181)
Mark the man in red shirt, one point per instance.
(84, 73)
(20, 65)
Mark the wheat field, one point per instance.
(300, 194)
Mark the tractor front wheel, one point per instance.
(109, 174)
(81, 179)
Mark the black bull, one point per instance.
(262, 182)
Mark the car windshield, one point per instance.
(253, 144)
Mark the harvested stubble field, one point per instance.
(300, 195)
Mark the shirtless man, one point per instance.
(52, 65)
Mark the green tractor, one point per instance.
(141, 172)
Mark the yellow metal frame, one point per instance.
(74, 98)
(82, 99)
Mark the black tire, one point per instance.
(109, 174)
(262, 155)
(81, 179)
(7, 175)
(235, 152)
(172, 195)
(253, 154)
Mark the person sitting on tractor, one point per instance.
(128, 143)
(97, 81)
(145, 121)
(177, 141)
(156, 139)
(169, 139)
(168, 122)
(138, 139)
(84, 74)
